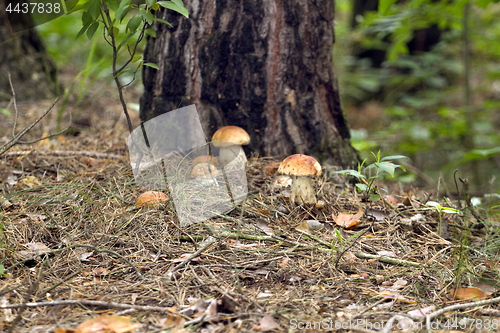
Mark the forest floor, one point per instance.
(75, 247)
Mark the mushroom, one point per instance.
(150, 198)
(204, 159)
(230, 139)
(301, 168)
(204, 173)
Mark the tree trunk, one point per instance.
(265, 66)
(23, 54)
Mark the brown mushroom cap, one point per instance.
(201, 170)
(271, 168)
(150, 198)
(230, 135)
(203, 159)
(300, 165)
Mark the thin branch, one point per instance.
(69, 153)
(191, 257)
(90, 303)
(139, 275)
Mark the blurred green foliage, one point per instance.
(423, 110)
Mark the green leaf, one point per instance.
(136, 58)
(82, 30)
(393, 157)
(146, 15)
(385, 5)
(124, 3)
(75, 9)
(93, 7)
(113, 4)
(2, 270)
(375, 197)
(179, 3)
(386, 167)
(483, 3)
(121, 13)
(361, 187)
(116, 32)
(151, 32)
(451, 210)
(155, 6)
(134, 23)
(172, 6)
(163, 21)
(353, 173)
(434, 204)
(121, 72)
(86, 18)
(92, 29)
(6, 112)
(125, 40)
(150, 64)
(151, 3)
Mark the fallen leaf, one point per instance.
(314, 225)
(386, 254)
(348, 220)
(320, 205)
(85, 256)
(304, 227)
(33, 250)
(107, 324)
(377, 214)
(175, 322)
(29, 181)
(468, 293)
(349, 257)
(211, 311)
(99, 271)
(284, 262)
(396, 296)
(262, 225)
(267, 323)
(422, 312)
(391, 199)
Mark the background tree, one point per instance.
(263, 65)
(24, 55)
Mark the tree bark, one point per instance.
(24, 55)
(263, 65)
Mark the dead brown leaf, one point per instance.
(468, 293)
(103, 324)
(348, 220)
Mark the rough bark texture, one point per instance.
(23, 54)
(263, 65)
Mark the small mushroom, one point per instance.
(205, 159)
(205, 174)
(230, 139)
(150, 198)
(301, 168)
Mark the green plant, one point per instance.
(109, 14)
(339, 238)
(441, 210)
(382, 166)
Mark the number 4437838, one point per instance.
(34, 7)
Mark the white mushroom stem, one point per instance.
(303, 190)
(230, 153)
